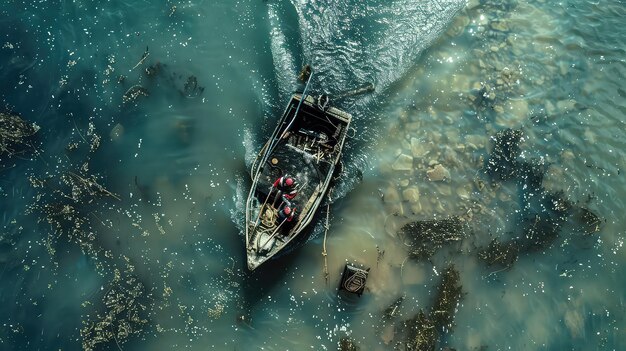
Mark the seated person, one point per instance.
(286, 188)
(286, 212)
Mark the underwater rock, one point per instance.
(417, 148)
(391, 195)
(476, 141)
(184, 128)
(464, 191)
(550, 108)
(565, 105)
(516, 116)
(416, 208)
(499, 26)
(437, 173)
(451, 158)
(412, 194)
(403, 163)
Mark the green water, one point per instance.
(162, 254)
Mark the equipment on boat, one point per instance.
(307, 144)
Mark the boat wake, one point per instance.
(349, 44)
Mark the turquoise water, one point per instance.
(158, 262)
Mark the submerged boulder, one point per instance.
(403, 163)
(437, 173)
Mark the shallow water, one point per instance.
(449, 76)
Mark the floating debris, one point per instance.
(531, 175)
(67, 202)
(305, 73)
(154, 70)
(558, 203)
(426, 237)
(133, 93)
(125, 304)
(353, 279)
(15, 134)
(393, 310)
(144, 56)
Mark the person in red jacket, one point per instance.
(286, 212)
(287, 188)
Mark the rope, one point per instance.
(269, 218)
(324, 253)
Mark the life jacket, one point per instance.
(288, 191)
(286, 212)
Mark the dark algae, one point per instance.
(124, 314)
(424, 331)
(503, 163)
(15, 135)
(428, 236)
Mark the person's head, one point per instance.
(287, 210)
(289, 181)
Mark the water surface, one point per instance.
(449, 75)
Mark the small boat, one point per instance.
(307, 144)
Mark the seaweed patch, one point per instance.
(426, 237)
(503, 163)
(125, 305)
(424, 330)
(500, 254)
(347, 344)
(15, 134)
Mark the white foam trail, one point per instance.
(349, 41)
(284, 63)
